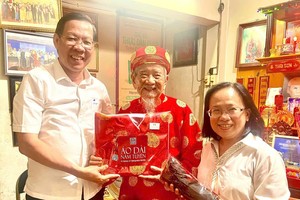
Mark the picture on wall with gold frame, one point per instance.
(14, 84)
(185, 48)
(251, 43)
(37, 15)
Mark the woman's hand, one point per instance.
(172, 188)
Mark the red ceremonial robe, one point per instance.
(185, 145)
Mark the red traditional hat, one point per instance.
(148, 55)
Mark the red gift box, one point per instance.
(131, 143)
(293, 175)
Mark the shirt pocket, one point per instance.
(236, 185)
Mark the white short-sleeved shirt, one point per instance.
(250, 169)
(62, 113)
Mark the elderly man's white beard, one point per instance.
(150, 102)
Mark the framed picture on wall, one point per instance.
(14, 84)
(185, 48)
(30, 15)
(93, 66)
(25, 50)
(293, 30)
(251, 43)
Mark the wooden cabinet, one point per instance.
(282, 51)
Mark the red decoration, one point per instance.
(263, 89)
(240, 80)
(283, 66)
(278, 102)
(251, 86)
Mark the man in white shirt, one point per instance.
(53, 115)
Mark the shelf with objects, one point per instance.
(281, 111)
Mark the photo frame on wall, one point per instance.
(25, 50)
(293, 30)
(14, 84)
(251, 43)
(185, 48)
(30, 15)
(93, 66)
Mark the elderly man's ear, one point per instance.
(133, 81)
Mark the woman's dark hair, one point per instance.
(74, 16)
(255, 123)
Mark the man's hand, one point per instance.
(94, 174)
(36, 149)
(95, 160)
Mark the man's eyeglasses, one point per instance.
(72, 41)
(217, 112)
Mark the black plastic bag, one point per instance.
(183, 180)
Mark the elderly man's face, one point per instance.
(149, 80)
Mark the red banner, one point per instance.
(251, 86)
(240, 80)
(263, 89)
(283, 66)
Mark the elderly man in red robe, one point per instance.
(150, 67)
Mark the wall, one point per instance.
(198, 8)
(12, 163)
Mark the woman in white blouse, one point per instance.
(236, 163)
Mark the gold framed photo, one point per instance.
(36, 15)
(251, 43)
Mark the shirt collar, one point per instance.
(244, 141)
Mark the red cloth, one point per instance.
(185, 145)
(131, 143)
